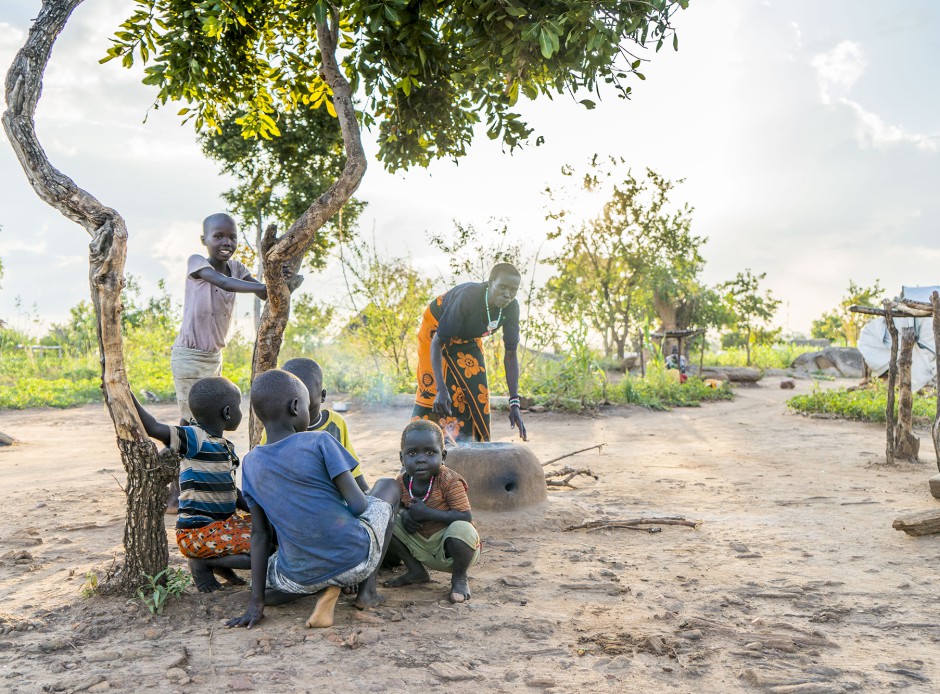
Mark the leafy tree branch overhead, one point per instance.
(428, 72)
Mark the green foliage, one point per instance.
(309, 326)
(169, 583)
(659, 391)
(767, 356)
(867, 404)
(278, 178)
(428, 72)
(612, 265)
(840, 324)
(389, 297)
(749, 309)
(89, 585)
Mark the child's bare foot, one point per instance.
(459, 588)
(368, 597)
(202, 576)
(419, 575)
(322, 615)
(226, 574)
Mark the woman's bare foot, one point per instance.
(322, 615)
(459, 588)
(203, 577)
(226, 574)
(406, 579)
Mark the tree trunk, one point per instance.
(935, 428)
(747, 345)
(286, 252)
(145, 545)
(892, 381)
(906, 445)
(259, 229)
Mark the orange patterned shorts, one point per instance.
(219, 539)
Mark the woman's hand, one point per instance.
(442, 402)
(515, 420)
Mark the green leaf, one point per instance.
(545, 43)
(587, 103)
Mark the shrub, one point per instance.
(866, 403)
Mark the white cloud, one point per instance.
(9, 245)
(10, 36)
(872, 132)
(837, 70)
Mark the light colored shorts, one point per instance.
(188, 366)
(375, 520)
(430, 550)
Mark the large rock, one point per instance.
(501, 476)
(836, 361)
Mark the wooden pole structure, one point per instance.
(892, 381)
(642, 360)
(935, 428)
(906, 445)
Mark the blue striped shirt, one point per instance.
(207, 476)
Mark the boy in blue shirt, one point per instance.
(299, 485)
(210, 533)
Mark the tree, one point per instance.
(427, 72)
(840, 323)
(388, 296)
(278, 177)
(608, 261)
(749, 309)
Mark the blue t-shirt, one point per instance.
(292, 480)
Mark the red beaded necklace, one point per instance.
(430, 486)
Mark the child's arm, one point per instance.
(154, 429)
(351, 492)
(420, 512)
(240, 502)
(363, 485)
(230, 284)
(260, 552)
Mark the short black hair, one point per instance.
(308, 371)
(272, 390)
(217, 218)
(422, 425)
(209, 396)
(504, 269)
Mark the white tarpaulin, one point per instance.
(874, 342)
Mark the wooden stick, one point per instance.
(569, 473)
(630, 522)
(598, 446)
(917, 524)
(906, 445)
(896, 312)
(892, 380)
(935, 428)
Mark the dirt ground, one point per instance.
(794, 581)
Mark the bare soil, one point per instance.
(793, 582)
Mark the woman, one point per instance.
(452, 384)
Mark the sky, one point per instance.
(807, 134)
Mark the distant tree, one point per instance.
(310, 326)
(749, 308)
(278, 177)
(607, 269)
(840, 324)
(389, 297)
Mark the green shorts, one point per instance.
(430, 550)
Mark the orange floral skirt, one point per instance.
(219, 539)
(464, 376)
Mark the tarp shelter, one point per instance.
(874, 342)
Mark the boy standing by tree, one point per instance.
(299, 485)
(434, 528)
(209, 532)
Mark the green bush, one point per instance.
(777, 356)
(864, 403)
(660, 392)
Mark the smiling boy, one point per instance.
(434, 528)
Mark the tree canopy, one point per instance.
(427, 71)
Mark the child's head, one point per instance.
(220, 236)
(422, 449)
(311, 375)
(504, 284)
(216, 402)
(279, 398)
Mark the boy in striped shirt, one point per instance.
(210, 533)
